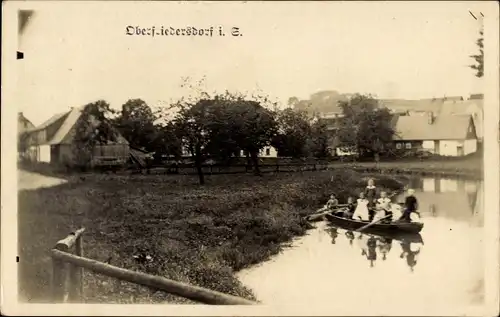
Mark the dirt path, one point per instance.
(28, 180)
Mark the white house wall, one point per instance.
(44, 153)
(470, 146)
(268, 149)
(428, 145)
(448, 147)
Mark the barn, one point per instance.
(53, 142)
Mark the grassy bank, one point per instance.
(198, 235)
(471, 167)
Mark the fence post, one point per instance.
(59, 276)
(76, 275)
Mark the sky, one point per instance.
(76, 54)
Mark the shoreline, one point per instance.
(471, 174)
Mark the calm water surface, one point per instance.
(439, 269)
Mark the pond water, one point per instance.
(362, 274)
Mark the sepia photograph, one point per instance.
(250, 158)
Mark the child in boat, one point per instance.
(384, 208)
(410, 207)
(330, 204)
(351, 207)
(371, 196)
(361, 212)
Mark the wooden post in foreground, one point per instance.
(195, 293)
(60, 274)
(76, 275)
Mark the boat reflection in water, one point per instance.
(373, 245)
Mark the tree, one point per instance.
(167, 141)
(293, 101)
(479, 58)
(252, 126)
(222, 125)
(191, 125)
(365, 127)
(319, 141)
(137, 124)
(294, 131)
(94, 127)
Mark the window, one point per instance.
(398, 146)
(408, 146)
(268, 151)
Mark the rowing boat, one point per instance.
(384, 228)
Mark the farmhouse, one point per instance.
(447, 135)
(446, 106)
(53, 142)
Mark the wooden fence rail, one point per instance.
(70, 287)
(243, 169)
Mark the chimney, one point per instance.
(430, 117)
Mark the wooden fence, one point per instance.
(242, 169)
(67, 284)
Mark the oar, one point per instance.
(373, 223)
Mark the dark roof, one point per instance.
(446, 127)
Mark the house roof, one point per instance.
(49, 122)
(444, 127)
(62, 132)
(62, 135)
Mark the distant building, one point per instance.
(268, 151)
(447, 135)
(441, 107)
(53, 142)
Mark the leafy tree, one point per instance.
(293, 101)
(365, 127)
(252, 126)
(294, 131)
(94, 127)
(222, 125)
(319, 142)
(191, 125)
(136, 124)
(167, 141)
(479, 58)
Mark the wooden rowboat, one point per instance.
(383, 228)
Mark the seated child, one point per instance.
(351, 207)
(330, 204)
(384, 208)
(361, 212)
